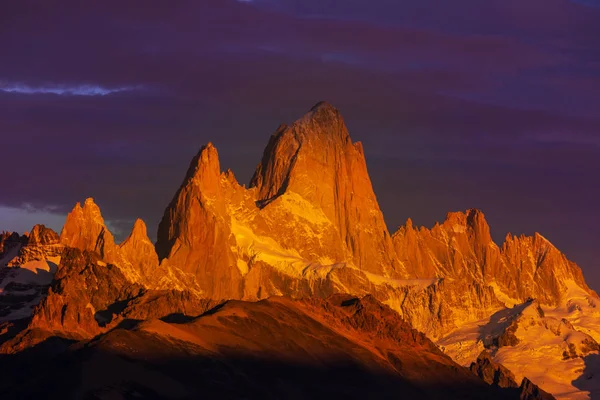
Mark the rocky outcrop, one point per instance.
(42, 236)
(533, 267)
(139, 252)
(497, 375)
(26, 271)
(529, 391)
(10, 243)
(88, 297)
(195, 232)
(42, 244)
(85, 229)
(136, 257)
(82, 297)
(493, 373)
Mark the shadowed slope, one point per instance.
(277, 348)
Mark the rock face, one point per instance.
(461, 248)
(85, 229)
(136, 257)
(530, 391)
(315, 159)
(310, 203)
(139, 251)
(88, 297)
(79, 300)
(42, 236)
(195, 232)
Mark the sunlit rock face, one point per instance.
(85, 229)
(461, 248)
(136, 257)
(309, 210)
(88, 297)
(313, 164)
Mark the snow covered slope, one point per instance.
(556, 348)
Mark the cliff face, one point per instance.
(309, 207)
(314, 161)
(85, 229)
(195, 232)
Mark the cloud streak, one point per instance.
(64, 89)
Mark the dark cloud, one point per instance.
(459, 104)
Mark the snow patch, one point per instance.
(299, 206)
(399, 283)
(265, 249)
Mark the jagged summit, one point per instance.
(310, 199)
(139, 232)
(85, 229)
(41, 235)
(205, 165)
(319, 139)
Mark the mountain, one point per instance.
(461, 248)
(308, 226)
(27, 265)
(309, 210)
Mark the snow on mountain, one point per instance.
(309, 225)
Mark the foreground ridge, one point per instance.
(274, 348)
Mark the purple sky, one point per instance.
(490, 104)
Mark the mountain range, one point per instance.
(292, 286)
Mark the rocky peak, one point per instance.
(138, 233)
(318, 139)
(315, 159)
(85, 229)
(8, 241)
(493, 373)
(195, 233)
(530, 391)
(472, 222)
(137, 240)
(498, 375)
(40, 235)
(533, 267)
(205, 169)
